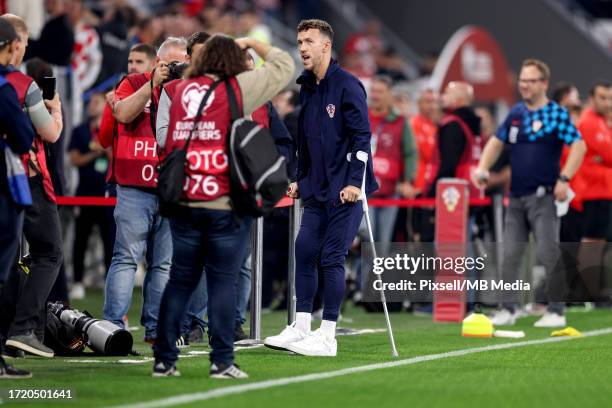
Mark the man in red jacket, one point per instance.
(141, 59)
(596, 172)
(140, 227)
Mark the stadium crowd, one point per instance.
(115, 128)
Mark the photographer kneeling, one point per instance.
(206, 233)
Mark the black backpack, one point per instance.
(258, 173)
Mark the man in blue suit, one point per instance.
(333, 148)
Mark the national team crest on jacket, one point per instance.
(331, 109)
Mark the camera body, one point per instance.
(176, 70)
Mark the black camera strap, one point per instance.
(153, 106)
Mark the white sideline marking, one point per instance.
(357, 332)
(242, 388)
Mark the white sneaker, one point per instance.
(503, 317)
(551, 320)
(315, 344)
(290, 334)
(77, 292)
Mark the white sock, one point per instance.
(302, 322)
(328, 328)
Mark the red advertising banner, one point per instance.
(472, 55)
(452, 206)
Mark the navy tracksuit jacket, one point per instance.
(333, 125)
(333, 122)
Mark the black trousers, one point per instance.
(276, 252)
(11, 224)
(84, 223)
(42, 232)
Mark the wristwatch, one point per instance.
(564, 178)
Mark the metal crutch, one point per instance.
(363, 157)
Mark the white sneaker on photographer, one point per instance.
(503, 317)
(290, 334)
(551, 320)
(316, 344)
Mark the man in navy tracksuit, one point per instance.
(334, 131)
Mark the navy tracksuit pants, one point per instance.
(325, 236)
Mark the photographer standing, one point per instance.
(140, 227)
(206, 233)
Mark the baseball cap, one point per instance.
(7, 32)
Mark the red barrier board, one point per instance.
(111, 201)
(452, 206)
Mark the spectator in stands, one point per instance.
(250, 25)
(536, 129)
(366, 47)
(596, 172)
(140, 228)
(394, 156)
(391, 63)
(56, 40)
(18, 137)
(205, 231)
(42, 225)
(86, 57)
(148, 32)
(91, 159)
(114, 40)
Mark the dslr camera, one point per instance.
(176, 70)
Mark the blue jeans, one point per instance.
(140, 229)
(198, 302)
(213, 241)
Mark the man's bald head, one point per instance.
(457, 94)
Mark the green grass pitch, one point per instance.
(561, 374)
